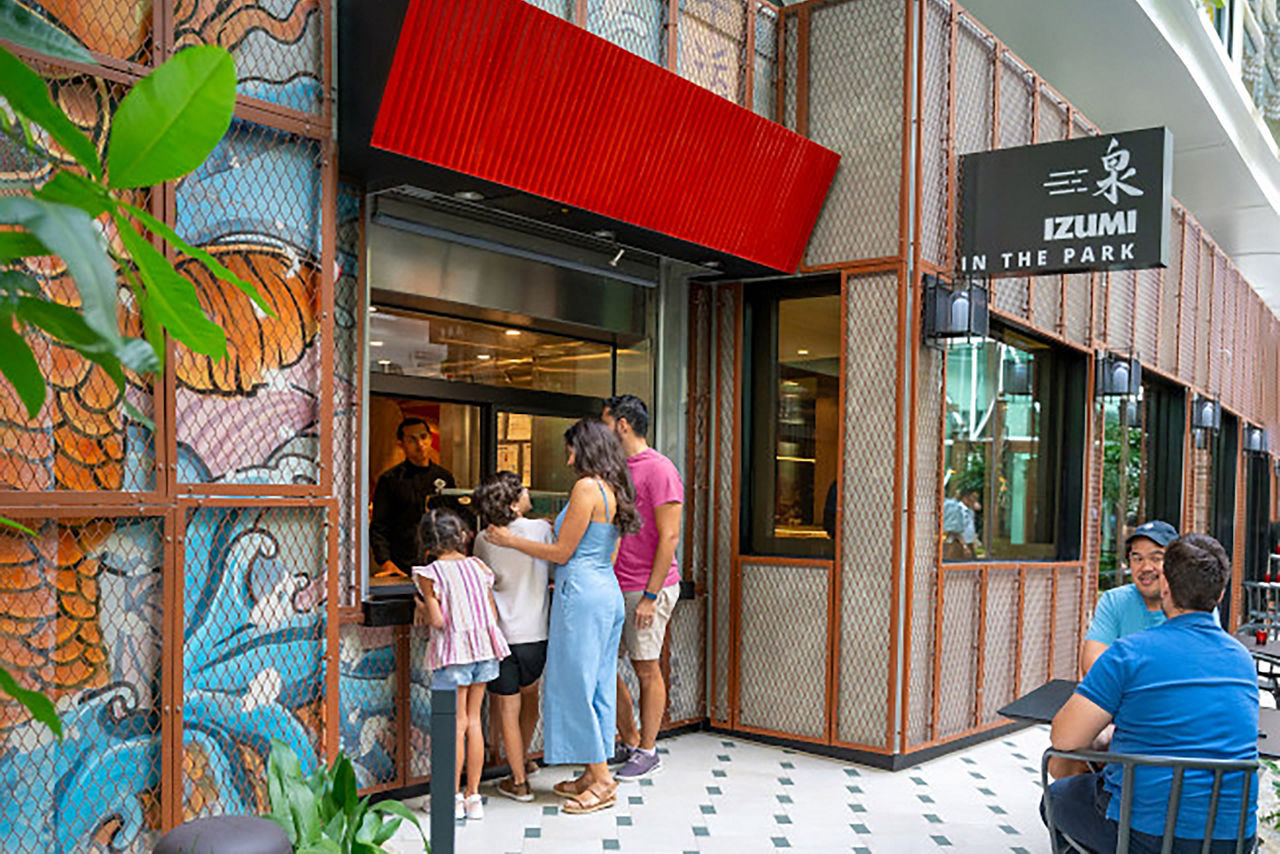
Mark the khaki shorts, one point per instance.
(646, 644)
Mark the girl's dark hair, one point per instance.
(495, 496)
(597, 452)
(441, 530)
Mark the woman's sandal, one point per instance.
(571, 788)
(597, 797)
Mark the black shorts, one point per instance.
(520, 669)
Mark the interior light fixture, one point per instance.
(384, 361)
(604, 234)
(373, 309)
(375, 343)
(613, 262)
(469, 196)
(484, 357)
(802, 352)
(512, 332)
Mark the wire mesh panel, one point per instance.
(1222, 315)
(1120, 305)
(120, 29)
(958, 653)
(1067, 623)
(1012, 295)
(419, 746)
(727, 311)
(790, 69)
(1017, 102)
(638, 26)
(867, 499)
(1075, 307)
(347, 366)
(80, 620)
(697, 541)
(1037, 626)
(367, 702)
(278, 45)
(764, 74)
(1052, 122)
(975, 86)
(855, 109)
(935, 156)
(253, 416)
(687, 676)
(1046, 299)
(1000, 647)
(1146, 311)
(1189, 304)
(83, 439)
(253, 647)
(562, 9)
(1170, 282)
(1206, 295)
(782, 686)
(712, 45)
(924, 581)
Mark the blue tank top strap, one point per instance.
(605, 496)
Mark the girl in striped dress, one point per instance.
(465, 641)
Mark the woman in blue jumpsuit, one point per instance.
(580, 680)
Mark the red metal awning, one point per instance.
(503, 91)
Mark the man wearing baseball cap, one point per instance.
(1133, 607)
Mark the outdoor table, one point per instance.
(1269, 733)
(1269, 651)
(1040, 705)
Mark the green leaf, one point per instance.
(24, 27)
(20, 244)
(139, 356)
(28, 95)
(321, 846)
(40, 706)
(396, 808)
(63, 323)
(215, 266)
(68, 188)
(170, 121)
(19, 366)
(74, 237)
(18, 526)
(345, 786)
(171, 298)
(14, 284)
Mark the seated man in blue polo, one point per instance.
(1183, 688)
(1131, 607)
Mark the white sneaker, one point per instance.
(474, 807)
(459, 807)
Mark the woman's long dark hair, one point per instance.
(597, 452)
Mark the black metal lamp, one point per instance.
(1117, 375)
(1206, 413)
(1255, 439)
(1017, 377)
(954, 310)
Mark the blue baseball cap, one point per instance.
(1160, 533)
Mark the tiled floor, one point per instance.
(721, 795)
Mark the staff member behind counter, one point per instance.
(400, 500)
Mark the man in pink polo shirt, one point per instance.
(650, 581)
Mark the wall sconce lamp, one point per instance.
(1117, 375)
(1017, 377)
(954, 310)
(1206, 413)
(1255, 439)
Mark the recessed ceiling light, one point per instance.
(714, 265)
(375, 343)
(604, 234)
(802, 352)
(484, 357)
(373, 309)
(469, 196)
(384, 361)
(513, 332)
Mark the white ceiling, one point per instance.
(1131, 64)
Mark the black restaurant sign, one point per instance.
(1096, 203)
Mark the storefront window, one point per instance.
(1014, 451)
(793, 429)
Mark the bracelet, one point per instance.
(652, 597)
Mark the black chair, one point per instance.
(1221, 768)
(225, 834)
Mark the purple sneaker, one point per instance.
(639, 766)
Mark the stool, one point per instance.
(225, 834)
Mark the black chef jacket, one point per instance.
(399, 502)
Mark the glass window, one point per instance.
(1014, 451)
(793, 431)
(533, 447)
(448, 348)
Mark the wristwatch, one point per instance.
(650, 596)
